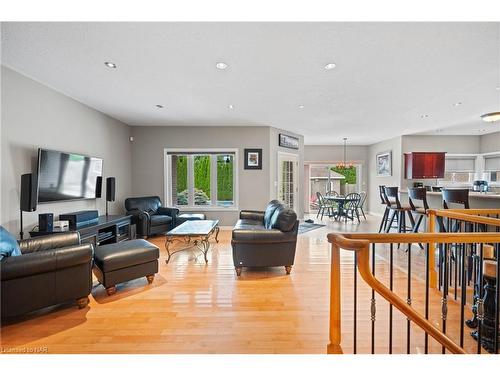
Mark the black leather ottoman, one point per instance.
(124, 261)
(179, 219)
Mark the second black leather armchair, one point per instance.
(265, 238)
(149, 216)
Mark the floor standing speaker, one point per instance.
(28, 197)
(110, 191)
(28, 192)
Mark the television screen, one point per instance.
(63, 176)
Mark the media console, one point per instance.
(108, 229)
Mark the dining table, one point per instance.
(340, 200)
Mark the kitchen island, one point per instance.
(476, 199)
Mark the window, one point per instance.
(201, 179)
(459, 171)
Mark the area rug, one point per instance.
(306, 227)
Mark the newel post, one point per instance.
(335, 306)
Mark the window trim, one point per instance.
(167, 185)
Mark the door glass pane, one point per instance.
(202, 180)
(287, 188)
(179, 180)
(225, 194)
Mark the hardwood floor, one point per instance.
(196, 308)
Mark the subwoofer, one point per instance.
(28, 199)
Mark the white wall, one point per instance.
(34, 116)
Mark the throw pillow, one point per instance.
(8, 244)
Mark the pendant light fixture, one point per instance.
(495, 116)
(344, 164)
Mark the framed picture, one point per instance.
(288, 141)
(253, 158)
(384, 164)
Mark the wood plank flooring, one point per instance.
(192, 307)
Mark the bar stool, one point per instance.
(455, 196)
(384, 200)
(418, 194)
(399, 211)
(460, 198)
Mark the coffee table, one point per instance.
(197, 231)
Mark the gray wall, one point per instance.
(148, 158)
(394, 145)
(33, 116)
(490, 142)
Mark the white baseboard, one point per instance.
(378, 214)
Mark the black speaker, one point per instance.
(110, 189)
(28, 192)
(46, 222)
(98, 187)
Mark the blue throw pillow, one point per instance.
(8, 244)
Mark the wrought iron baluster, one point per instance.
(427, 277)
(463, 299)
(355, 303)
(444, 299)
(391, 286)
(373, 308)
(408, 300)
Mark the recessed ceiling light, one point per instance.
(159, 106)
(330, 66)
(424, 116)
(301, 106)
(110, 64)
(457, 104)
(230, 106)
(498, 88)
(221, 65)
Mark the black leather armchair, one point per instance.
(149, 216)
(265, 238)
(52, 270)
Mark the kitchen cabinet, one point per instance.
(424, 165)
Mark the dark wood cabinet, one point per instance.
(108, 229)
(424, 165)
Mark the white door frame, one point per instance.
(288, 156)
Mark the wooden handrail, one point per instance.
(470, 216)
(360, 243)
(354, 241)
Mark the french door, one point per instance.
(288, 189)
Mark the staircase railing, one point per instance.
(454, 248)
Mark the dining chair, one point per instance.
(351, 206)
(324, 205)
(362, 202)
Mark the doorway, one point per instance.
(288, 188)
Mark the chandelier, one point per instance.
(344, 164)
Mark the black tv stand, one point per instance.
(108, 229)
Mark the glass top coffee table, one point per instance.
(197, 232)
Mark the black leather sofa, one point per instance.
(52, 270)
(149, 216)
(265, 238)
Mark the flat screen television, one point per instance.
(63, 176)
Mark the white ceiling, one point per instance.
(387, 74)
